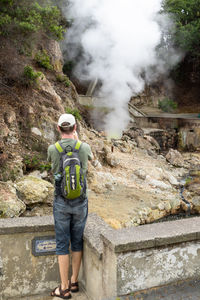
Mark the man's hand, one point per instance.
(75, 135)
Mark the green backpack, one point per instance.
(72, 179)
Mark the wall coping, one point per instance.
(95, 227)
(26, 224)
(121, 240)
(153, 235)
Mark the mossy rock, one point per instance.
(10, 205)
(34, 190)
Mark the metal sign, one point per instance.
(43, 245)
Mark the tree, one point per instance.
(27, 17)
(186, 16)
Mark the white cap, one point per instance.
(66, 118)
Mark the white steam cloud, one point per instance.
(118, 40)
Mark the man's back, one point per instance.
(54, 156)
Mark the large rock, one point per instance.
(158, 183)
(153, 142)
(34, 190)
(10, 205)
(194, 188)
(169, 177)
(12, 169)
(175, 204)
(53, 48)
(112, 160)
(143, 143)
(47, 89)
(175, 158)
(196, 203)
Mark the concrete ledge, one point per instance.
(152, 235)
(31, 224)
(130, 259)
(94, 229)
(122, 240)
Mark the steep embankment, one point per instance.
(29, 108)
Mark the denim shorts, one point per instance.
(70, 218)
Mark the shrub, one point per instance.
(75, 112)
(34, 162)
(31, 76)
(64, 79)
(45, 167)
(27, 17)
(43, 60)
(31, 162)
(167, 105)
(186, 33)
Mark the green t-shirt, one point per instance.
(85, 153)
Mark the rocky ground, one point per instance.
(140, 186)
(131, 182)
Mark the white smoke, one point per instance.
(118, 40)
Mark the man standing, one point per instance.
(69, 215)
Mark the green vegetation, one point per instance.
(34, 162)
(43, 60)
(45, 167)
(31, 76)
(27, 17)
(64, 79)
(188, 181)
(186, 16)
(75, 112)
(167, 105)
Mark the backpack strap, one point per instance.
(77, 146)
(59, 147)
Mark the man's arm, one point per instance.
(49, 154)
(54, 158)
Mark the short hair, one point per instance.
(67, 129)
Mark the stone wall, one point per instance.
(141, 257)
(115, 262)
(167, 139)
(22, 273)
(173, 132)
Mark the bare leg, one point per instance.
(63, 261)
(76, 263)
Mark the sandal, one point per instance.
(75, 284)
(62, 293)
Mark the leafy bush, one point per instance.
(45, 167)
(27, 17)
(186, 15)
(43, 60)
(167, 105)
(34, 162)
(64, 79)
(31, 76)
(75, 112)
(31, 162)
